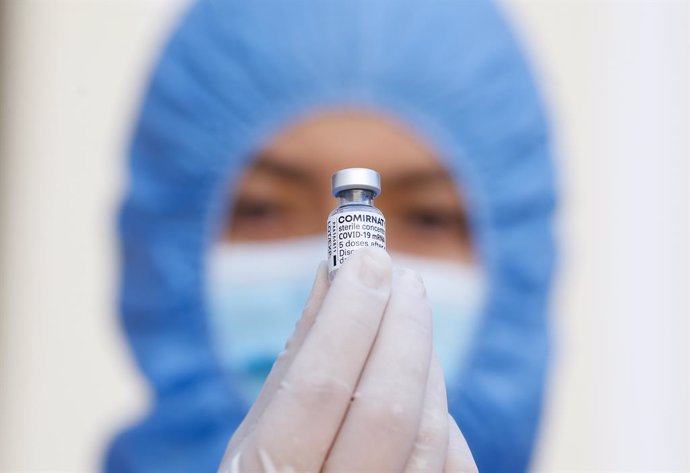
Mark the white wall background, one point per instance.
(616, 74)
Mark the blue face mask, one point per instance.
(256, 292)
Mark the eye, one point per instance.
(436, 220)
(251, 208)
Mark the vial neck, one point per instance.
(355, 196)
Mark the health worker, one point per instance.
(430, 356)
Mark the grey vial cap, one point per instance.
(356, 178)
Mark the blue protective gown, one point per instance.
(232, 74)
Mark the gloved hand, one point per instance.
(358, 387)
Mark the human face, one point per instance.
(286, 192)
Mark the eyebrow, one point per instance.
(268, 164)
(419, 178)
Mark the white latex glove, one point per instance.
(358, 387)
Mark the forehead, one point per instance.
(326, 142)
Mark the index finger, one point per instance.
(381, 425)
(304, 416)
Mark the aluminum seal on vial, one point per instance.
(356, 178)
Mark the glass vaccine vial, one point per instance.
(355, 223)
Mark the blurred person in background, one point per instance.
(251, 108)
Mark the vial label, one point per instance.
(350, 231)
